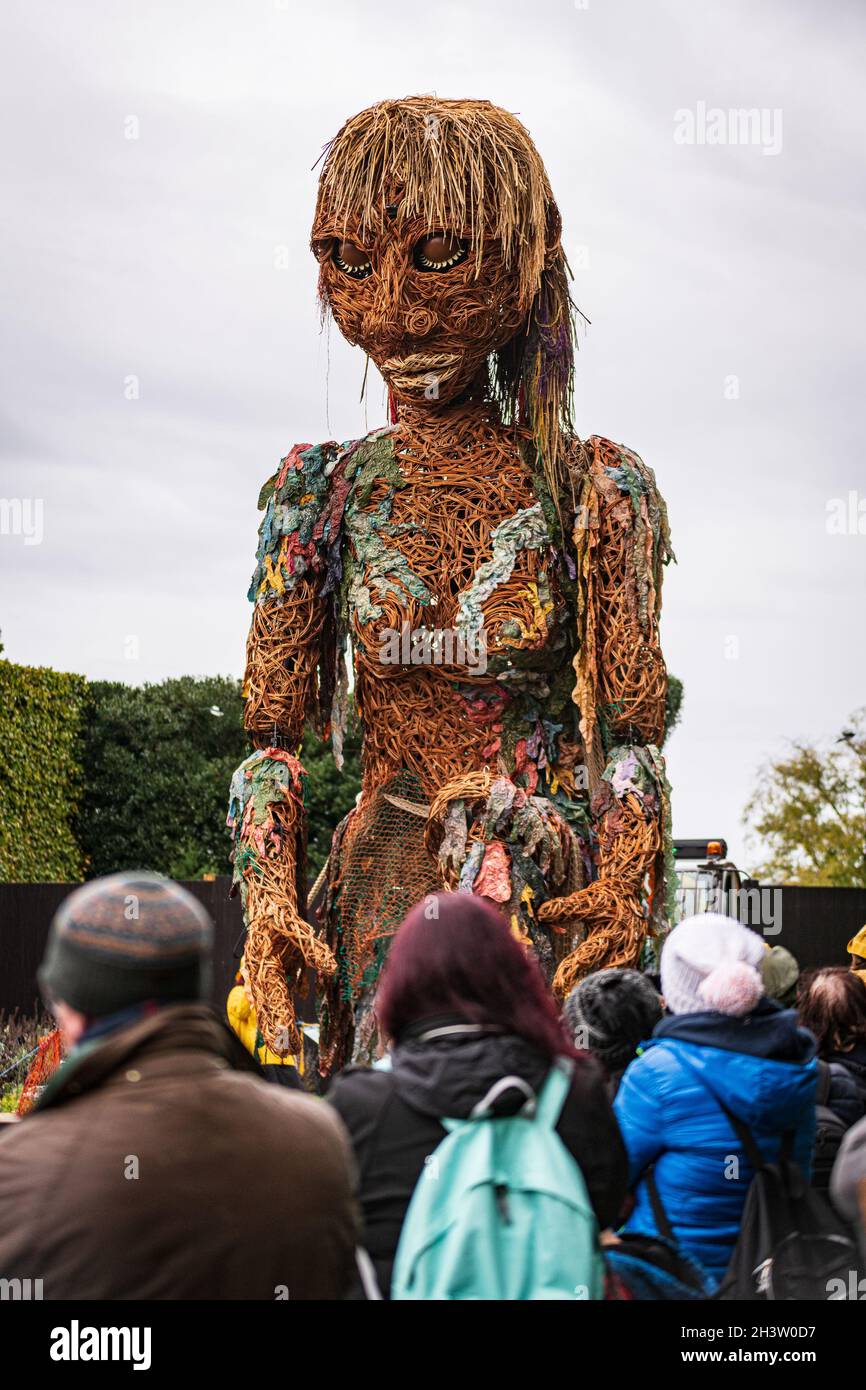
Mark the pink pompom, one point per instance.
(734, 987)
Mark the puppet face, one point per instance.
(418, 301)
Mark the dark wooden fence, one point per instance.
(815, 924)
(26, 910)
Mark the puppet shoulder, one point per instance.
(611, 476)
(303, 503)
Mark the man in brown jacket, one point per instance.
(158, 1164)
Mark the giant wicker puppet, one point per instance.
(494, 580)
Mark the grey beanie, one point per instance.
(611, 1012)
(124, 939)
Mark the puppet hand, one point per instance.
(610, 910)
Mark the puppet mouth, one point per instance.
(420, 368)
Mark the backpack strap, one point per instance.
(505, 1083)
(750, 1148)
(741, 1129)
(660, 1216)
(545, 1108)
(825, 1076)
(484, 1108)
(367, 1275)
(743, 1133)
(554, 1092)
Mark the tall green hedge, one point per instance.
(157, 763)
(41, 720)
(100, 776)
(330, 794)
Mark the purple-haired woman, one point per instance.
(464, 1005)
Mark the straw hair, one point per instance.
(450, 162)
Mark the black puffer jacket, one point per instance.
(841, 1102)
(854, 1063)
(393, 1121)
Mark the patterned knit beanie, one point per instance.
(611, 1012)
(121, 940)
(712, 962)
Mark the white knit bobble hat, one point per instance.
(711, 962)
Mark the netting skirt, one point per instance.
(379, 868)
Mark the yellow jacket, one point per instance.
(242, 1020)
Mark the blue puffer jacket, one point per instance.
(763, 1068)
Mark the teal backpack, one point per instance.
(501, 1209)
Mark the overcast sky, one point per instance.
(724, 283)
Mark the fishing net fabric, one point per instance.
(379, 868)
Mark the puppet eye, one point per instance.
(440, 251)
(351, 260)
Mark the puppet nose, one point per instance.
(388, 321)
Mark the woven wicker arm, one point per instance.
(285, 649)
(622, 542)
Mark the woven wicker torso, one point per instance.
(456, 610)
(449, 535)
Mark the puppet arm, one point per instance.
(622, 543)
(289, 673)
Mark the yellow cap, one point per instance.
(857, 945)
